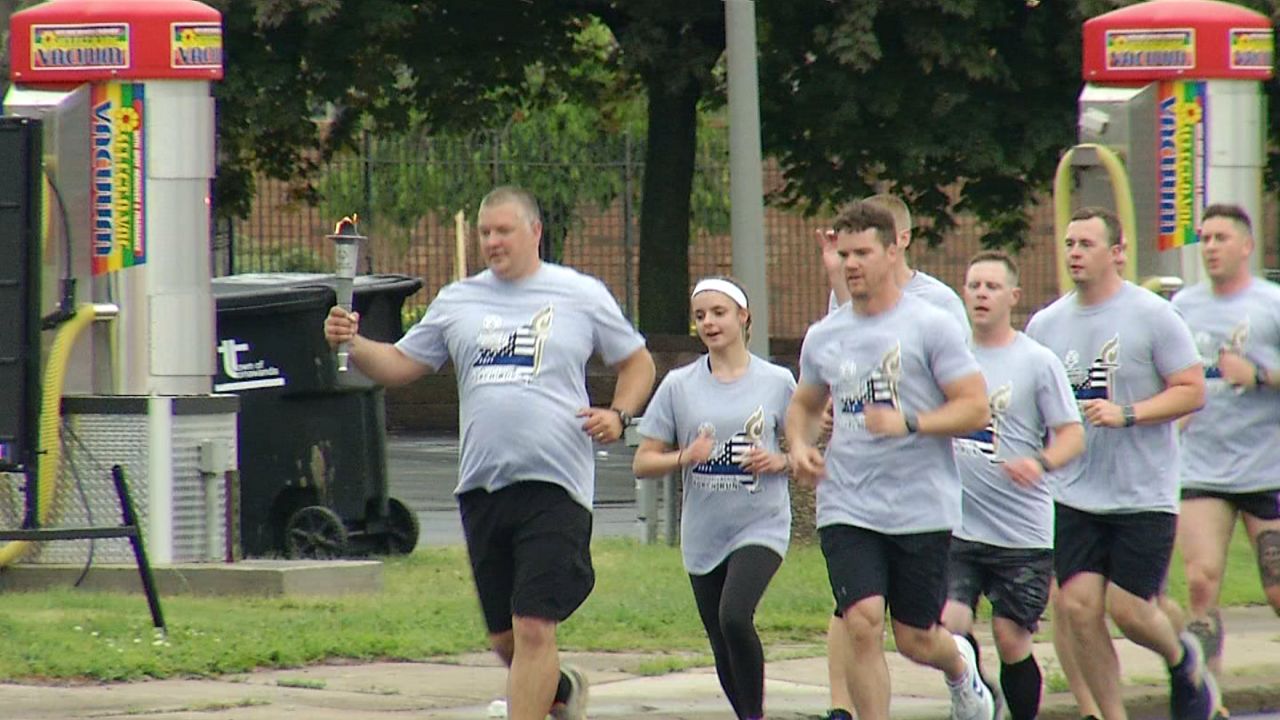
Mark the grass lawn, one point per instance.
(642, 602)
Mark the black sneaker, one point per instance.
(835, 714)
(1193, 693)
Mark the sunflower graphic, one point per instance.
(128, 119)
(1192, 113)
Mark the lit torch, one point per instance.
(346, 253)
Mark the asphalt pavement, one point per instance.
(422, 473)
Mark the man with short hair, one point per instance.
(1004, 546)
(1135, 370)
(903, 383)
(927, 288)
(1231, 447)
(519, 335)
(912, 281)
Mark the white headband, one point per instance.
(723, 286)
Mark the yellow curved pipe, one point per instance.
(1120, 191)
(55, 370)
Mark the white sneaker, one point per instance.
(970, 700)
(575, 707)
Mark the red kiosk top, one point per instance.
(69, 42)
(1170, 39)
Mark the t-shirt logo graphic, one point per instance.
(507, 357)
(879, 385)
(986, 442)
(1209, 349)
(1094, 383)
(722, 470)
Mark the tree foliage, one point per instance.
(958, 105)
(304, 77)
(459, 65)
(672, 47)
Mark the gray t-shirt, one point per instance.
(931, 290)
(1233, 443)
(1119, 350)
(1029, 395)
(520, 351)
(902, 357)
(725, 507)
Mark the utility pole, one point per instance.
(746, 168)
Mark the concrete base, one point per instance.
(270, 578)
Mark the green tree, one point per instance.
(958, 105)
(455, 65)
(939, 96)
(672, 47)
(305, 77)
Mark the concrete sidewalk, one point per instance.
(463, 687)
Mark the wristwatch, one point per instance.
(624, 416)
(910, 422)
(1261, 378)
(1130, 417)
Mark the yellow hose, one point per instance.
(55, 370)
(1124, 210)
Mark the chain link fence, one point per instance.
(417, 197)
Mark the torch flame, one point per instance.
(351, 220)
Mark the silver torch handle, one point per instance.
(346, 254)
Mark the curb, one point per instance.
(1239, 696)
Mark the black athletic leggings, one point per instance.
(727, 598)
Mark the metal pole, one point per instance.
(746, 171)
(670, 517)
(627, 238)
(368, 195)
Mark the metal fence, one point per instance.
(410, 191)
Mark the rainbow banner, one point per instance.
(118, 177)
(1181, 161)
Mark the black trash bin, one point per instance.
(312, 455)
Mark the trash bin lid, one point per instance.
(390, 283)
(239, 296)
(401, 286)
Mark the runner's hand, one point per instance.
(757, 460)
(808, 465)
(884, 420)
(602, 424)
(340, 326)
(831, 261)
(1024, 471)
(699, 451)
(1103, 413)
(1236, 370)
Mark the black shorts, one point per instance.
(530, 550)
(1131, 550)
(1015, 580)
(908, 571)
(1262, 504)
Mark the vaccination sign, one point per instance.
(80, 47)
(1181, 161)
(1163, 49)
(195, 45)
(117, 190)
(1252, 49)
